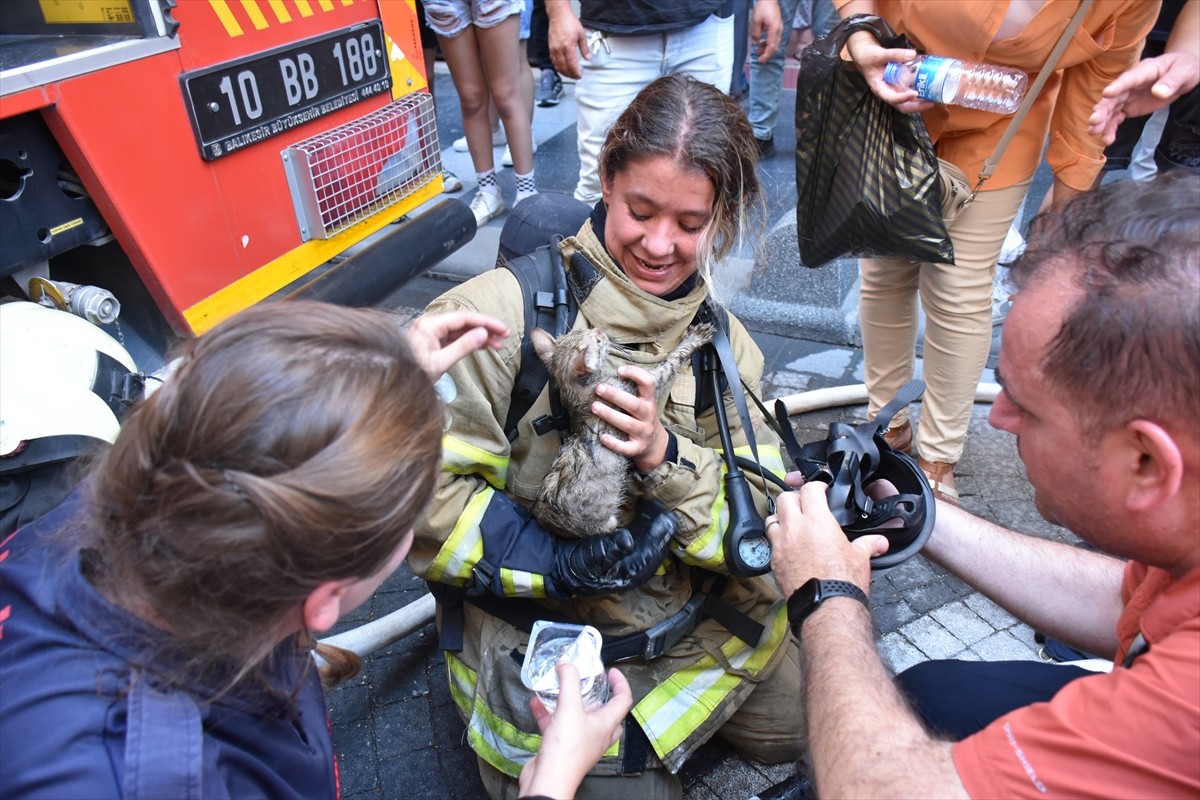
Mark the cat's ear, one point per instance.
(543, 344)
(583, 362)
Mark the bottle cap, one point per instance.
(891, 73)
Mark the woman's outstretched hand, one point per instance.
(1144, 88)
(573, 738)
(440, 340)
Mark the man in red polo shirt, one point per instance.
(1100, 365)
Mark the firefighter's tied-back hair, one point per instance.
(295, 444)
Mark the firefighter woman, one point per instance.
(704, 652)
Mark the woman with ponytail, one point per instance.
(157, 628)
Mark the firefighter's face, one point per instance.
(657, 215)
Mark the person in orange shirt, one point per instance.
(1101, 374)
(957, 299)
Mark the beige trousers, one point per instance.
(767, 727)
(957, 300)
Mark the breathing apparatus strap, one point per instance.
(450, 598)
(909, 393)
(728, 364)
(847, 458)
(813, 459)
(553, 311)
(637, 747)
(119, 388)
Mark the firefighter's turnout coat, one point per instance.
(682, 697)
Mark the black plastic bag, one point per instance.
(866, 174)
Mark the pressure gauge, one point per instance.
(755, 553)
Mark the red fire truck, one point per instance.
(184, 159)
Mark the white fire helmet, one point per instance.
(60, 376)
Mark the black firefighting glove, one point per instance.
(518, 552)
(614, 562)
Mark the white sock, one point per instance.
(526, 185)
(487, 182)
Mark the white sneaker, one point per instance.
(521, 197)
(1014, 245)
(486, 206)
(450, 182)
(1000, 299)
(498, 138)
(506, 159)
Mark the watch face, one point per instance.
(755, 552)
(807, 594)
(803, 601)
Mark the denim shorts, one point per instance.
(526, 19)
(449, 18)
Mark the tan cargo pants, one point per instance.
(957, 301)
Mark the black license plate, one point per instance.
(239, 103)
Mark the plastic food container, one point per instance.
(552, 642)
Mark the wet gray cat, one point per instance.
(583, 492)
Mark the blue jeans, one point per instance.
(766, 79)
(825, 17)
(526, 19)
(616, 73)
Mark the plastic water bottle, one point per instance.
(986, 87)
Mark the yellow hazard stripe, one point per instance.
(498, 742)
(253, 10)
(225, 14)
(706, 550)
(462, 683)
(257, 18)
(281, 12)
(495, 739)
(518, 583)
(464, 547)
(675, 709)
(462, 458)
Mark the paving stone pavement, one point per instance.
(395, 727)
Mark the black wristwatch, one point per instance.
(805, 600)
